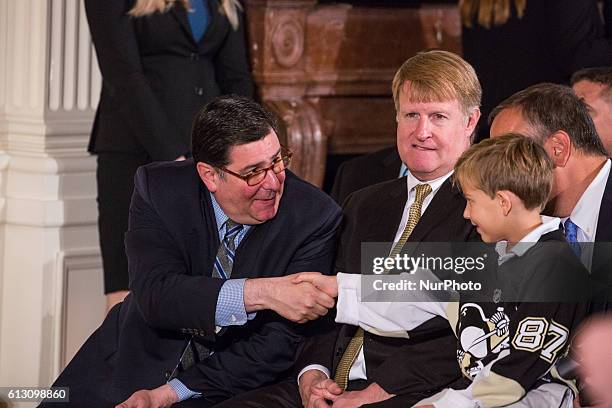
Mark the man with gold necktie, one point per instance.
(437, 98)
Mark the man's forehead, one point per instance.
(510, 120)
(427, 92)
(591, 93)
(587, 88)
(410, 102)
(256, 152)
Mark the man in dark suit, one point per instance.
(582, 189)
(366, 170)
(161, 61)
(210, 242)
(437, 95)
(594, 87)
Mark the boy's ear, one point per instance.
(209, 176)
(504, 198)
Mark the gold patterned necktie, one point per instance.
(352, 350)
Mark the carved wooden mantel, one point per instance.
(326, 70)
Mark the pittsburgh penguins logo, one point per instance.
(497, 294)
(480, 336)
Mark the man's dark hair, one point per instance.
(549, 108)
(599, 75)
(225, 122)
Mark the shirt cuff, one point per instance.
(230, 309)
(319, 367)
(347, 309)
(449, 398)
(182, 391)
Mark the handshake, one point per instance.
(299, 297)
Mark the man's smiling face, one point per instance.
(250, 204)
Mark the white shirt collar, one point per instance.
(549, 224)
(435, 184)
(586, 212)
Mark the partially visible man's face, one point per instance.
(511, 120)
(593, 348)
(432, 135)
(599, 109)
(251, 204)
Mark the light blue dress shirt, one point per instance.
(230, 309)
(403, 171)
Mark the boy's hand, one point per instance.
(327, 284)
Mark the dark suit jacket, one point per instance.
(156, 77)
(373, 214)
(364, 171)
(607, 14)
(601, 267)
(171, 245)
(554, 39)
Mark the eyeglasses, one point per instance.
(256, 176)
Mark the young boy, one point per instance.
(506, 344)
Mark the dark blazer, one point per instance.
(607, 14)
(601, 269)
(156, 77)
(554, 39)
(373, 214)
(171, 245)
(363, 171)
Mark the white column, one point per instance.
(50, 269)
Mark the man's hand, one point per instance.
(353, 399)
(297, 302)
(316, 389)
(160, 397)
(328, 284)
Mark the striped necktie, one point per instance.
(226, 253)
(356, 343)
(195, 351)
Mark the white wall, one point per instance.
(50, 268)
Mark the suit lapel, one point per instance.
(391, 165)
(600, 265)
(249, 250)
(604, 223)
(384, 223)
(180, 14)
(203, 240)
(214, 24)
(436, 212)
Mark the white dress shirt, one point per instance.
(586, 213)
(390, 318)
(358, 369)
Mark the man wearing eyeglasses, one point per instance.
(212, 243)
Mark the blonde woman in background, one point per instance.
(161, 60)
(513, 44)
